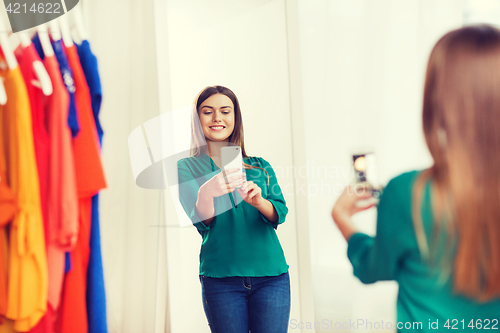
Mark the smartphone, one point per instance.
(366, 172)
(231, 158)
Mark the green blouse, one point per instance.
(394, 255)
(240, 241)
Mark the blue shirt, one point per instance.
(96, 295)
(91, 71)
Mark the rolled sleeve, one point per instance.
(358, 247)
(197, 222)
(188, 195)
(275, 196)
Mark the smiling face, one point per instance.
(217, 118)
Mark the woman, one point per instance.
(438, 230)
(243, 272)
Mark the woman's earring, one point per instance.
(441, 137)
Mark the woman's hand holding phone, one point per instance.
(213, 188)
(219, 184)
(350, 202)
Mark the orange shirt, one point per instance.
(8, 201)
(89, 170)
(90, 179)
(3, 273)
(27, 284)
(8, 207)
(7, 326)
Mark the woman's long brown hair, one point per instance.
(461, 122)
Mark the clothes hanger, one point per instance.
(9, 55)
(43, 77)
(15, 41)
(25, 40)
(66, 33)
(3, 93)
(4, 44)
(45, 40)
(55, 31)
(78, 32)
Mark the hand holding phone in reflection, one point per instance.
(363, 194)
(366, 176)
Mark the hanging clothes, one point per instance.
(90, 173)
(3, 273)
(26, 57)
(69, 82)
(7, 326)
(96, 295)
(8, 200)
(90, 179)
(89, 65)
(68, 227)
(67, 79)
(27, 266)
(8, 209)
(63, 199)
(96, 291)
(70, 85)
(73, 122)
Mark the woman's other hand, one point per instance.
(251, 192)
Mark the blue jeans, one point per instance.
(240, 304)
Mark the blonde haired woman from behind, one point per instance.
(438, 230)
